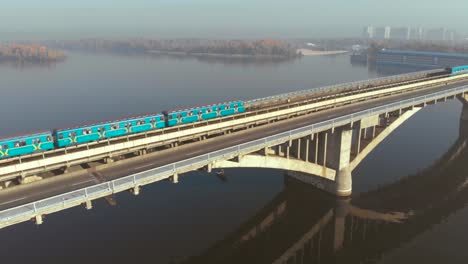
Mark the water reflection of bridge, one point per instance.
(305, 225)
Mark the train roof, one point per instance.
(25, 135)
(107, 121)
(426, 53)
(202, 105)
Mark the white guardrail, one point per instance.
(128, 182)
(339, 87)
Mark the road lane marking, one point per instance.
(81, 182)
(194, 152)
(16, 200)
(143, 167)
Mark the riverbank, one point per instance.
(32, 53)
(217, 55)
(308, 52)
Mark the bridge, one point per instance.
(304, 225)
(318, 136)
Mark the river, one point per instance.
(204, 219)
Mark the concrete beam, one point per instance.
(379, 138)
(370, 121)
(276, 162)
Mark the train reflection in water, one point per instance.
(360, 230)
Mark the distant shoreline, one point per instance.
(215, 55)
(308, 52)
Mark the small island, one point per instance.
(33, 53)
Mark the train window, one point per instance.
(5, 146)
(60, 136)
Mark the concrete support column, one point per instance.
(175, 178)
(325, 146)
(316, 149)
(344, 182)
(88, 205)
(108, 160)
(299, 148)
(359, 141)
(210, 167)
(39, 220)
(136, 190)
(307, 150)
(339, 159)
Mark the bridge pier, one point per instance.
(339, 159)
(89, 205)
(136, 190)
(175, 178)
(39, 220)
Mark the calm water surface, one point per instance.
(409, 204)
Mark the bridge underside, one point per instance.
(325, 159)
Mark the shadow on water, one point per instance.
(305, 225)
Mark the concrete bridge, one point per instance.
(304, 225)
(317, 141)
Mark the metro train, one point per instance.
(60, 138)
(459, 70)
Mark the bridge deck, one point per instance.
(50, 187)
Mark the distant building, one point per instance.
(368, 32)
(410, 33)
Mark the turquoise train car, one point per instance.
(110, 129)
(26, 144)
(59, 138)
(459, 70)
(186, 116)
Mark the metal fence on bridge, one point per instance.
(164, 172)
(340, 87)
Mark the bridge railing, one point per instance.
(341, 87)
(101, 190)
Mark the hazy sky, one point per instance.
(222, 18)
